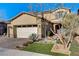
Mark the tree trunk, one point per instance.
(70, 40)
(60, 37)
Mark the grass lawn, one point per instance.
(41, 48)
(74, 49)
(46, 49)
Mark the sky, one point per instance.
(9, 10)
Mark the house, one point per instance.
(55, 16)
(3, 27)
(24, 24)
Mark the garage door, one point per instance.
(25, 32)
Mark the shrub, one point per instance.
(33, 37)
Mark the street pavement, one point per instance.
(13, 52)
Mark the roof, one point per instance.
(32, 14)
(54, 10)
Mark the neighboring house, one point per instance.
(24, 24)
(3, 27)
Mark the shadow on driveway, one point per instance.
(11, 43)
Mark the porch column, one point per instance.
(59, 26)
(10, 31)
(39, 29)
(54, 28)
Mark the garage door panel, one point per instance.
(25, 32)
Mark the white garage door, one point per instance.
(25, 32)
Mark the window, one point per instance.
(24, 26)
(60, 14)
(19, 26)
(34, 25)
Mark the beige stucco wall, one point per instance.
(24, 19)
(39, 28)
(51, 15)
(9, 30)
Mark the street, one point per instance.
(13, 52)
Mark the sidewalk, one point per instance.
(12, 52)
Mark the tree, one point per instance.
(70, 26)
(70, 23)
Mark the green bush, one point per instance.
(33, 37)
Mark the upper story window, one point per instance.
(59, 14)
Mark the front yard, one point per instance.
(74, 49)
(46, 49)
(41, 48)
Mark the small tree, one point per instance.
(70, 23)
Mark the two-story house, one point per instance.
(24, 24)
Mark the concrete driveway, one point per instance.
(8, 45)
(11, 43)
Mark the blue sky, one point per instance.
(9, 10)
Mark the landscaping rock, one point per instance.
(59, 48)
(20, 46)
(30, 41)
(25, 44)
(49, 38)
